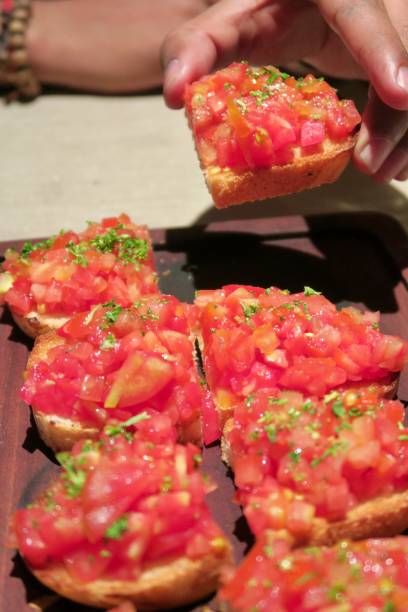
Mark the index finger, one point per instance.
(367, 31)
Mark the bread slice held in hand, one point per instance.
(261, 133)
(126, 520)
(49, 281)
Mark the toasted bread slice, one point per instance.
(383, 516)
(168, 585)
(229, 187)
(61, 432)
(33, 324)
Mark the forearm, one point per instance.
(103, 46)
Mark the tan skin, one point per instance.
(106, 46)
(347, 38)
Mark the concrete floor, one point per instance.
(68, 158)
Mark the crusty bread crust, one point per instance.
(42, 345)
(379, 517)
(162, 586)
(34, 324)
(59, 433)
(229, 187)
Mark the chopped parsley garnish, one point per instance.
(375, 325)
(227, 85)
(260, 96)
(272, 78)
(111, 316)
(389, 607)
(249, 400)
(249, 310)
(133, 250)
(335, 593)
(130, 249)
(295, 456)
(338, 409)
(74, 478)
(356, 412)
(329, 452)
(108, 343)
(29, 247)
(277, 401)
(403, 438)
(120, 428)
(149, 315)
(308, 291)
(77, 251)
(270, 431)
(117, 529)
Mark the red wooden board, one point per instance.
(360, 259)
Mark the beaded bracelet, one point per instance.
(14, 68)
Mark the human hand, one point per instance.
(342, 38)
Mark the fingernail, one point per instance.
(373, 154)
(402, 77)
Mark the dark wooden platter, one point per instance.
(352, 258)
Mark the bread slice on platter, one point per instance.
(251, 337)
(49, 281)
(323, 470)
(126, 520)
(261, 133)
(114, 362)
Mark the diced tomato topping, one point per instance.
(366, 575)
(116, 362)
(256, 338)
(69, 273)
(125, 500)
(245, 117)
(295, 457)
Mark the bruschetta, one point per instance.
(260, 132)
(49, 281)
(126, 520)
(351, 576)
(252, 338)
(115, 362)
(322, 470)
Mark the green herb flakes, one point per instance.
(74, 478)
(117, 529)
(308, 291)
